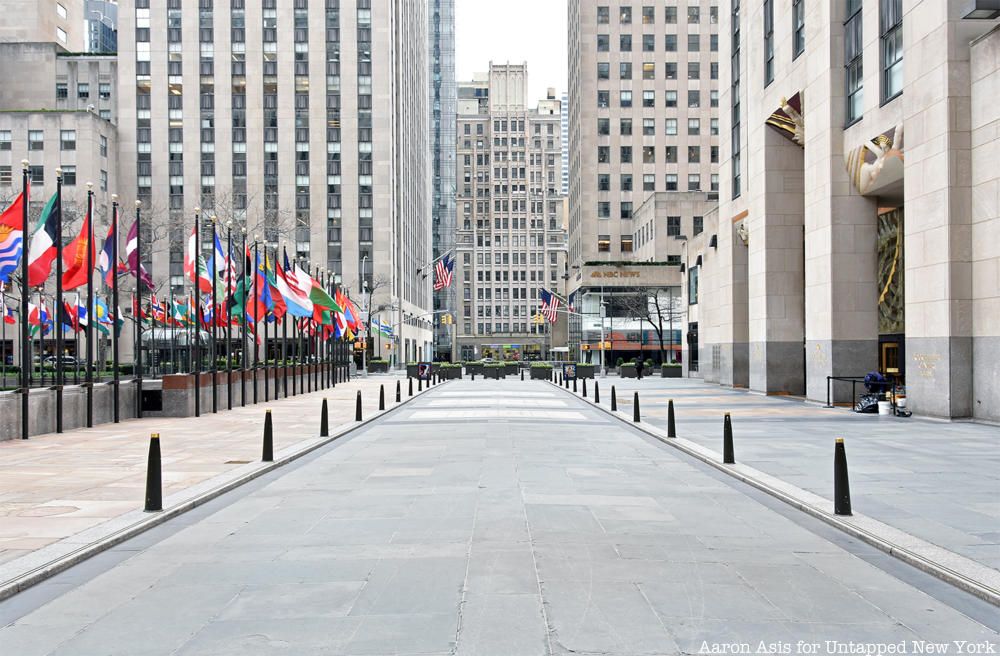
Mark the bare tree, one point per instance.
(657, 307)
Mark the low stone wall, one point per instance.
(173, 395)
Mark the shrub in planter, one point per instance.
(584, 370)
(474, 367)
(619, 362)
(493, 370)
(378, 366)
(672, 370)
(628, 370)
(511, 368)
(541, 371)
(451, 370)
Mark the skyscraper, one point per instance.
(441, 49)
(510, 239)
(304, 121)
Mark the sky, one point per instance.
(496, 30)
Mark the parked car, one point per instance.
(67, 361)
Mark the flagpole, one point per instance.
(88, 373)
(243, 320)
(229, 319)
(76, 342)
(215, 320)
(60, 378)
(197, 312)
(267, 370)
(115, 376)
(138, 324)
(25, 345)
(256, 330)
(284, 328)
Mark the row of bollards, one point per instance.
(154, 471)
(841, 482)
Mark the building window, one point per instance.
(626, 154)
(603, 43)
(626, 210)
(768, 42)
(603, 127)
(649, 182)
(670, 182)
(603, 244)
(36, 174)
(854, 71)
(67, 140)
(694, 42)
(4, 139)
(6, 175)
(649, 154)
(694, 126)
(603, 99)
(603, 182)
(734, 94)
(625, 71)
(603, 73)
(648, 42)
(649, 127)
(698, 226)
(604, 210)
(648, 15)
(69, 176)
(36, 140)
(670, 15)
(694, 182)
(671, 155)
(694, 15)
(62, 91)
(625, 98)
(625, 43)
(694, 154)
(671, 98)
(671, 126)
(673, 226)
(104, 146)
(104, 90)
(625, 15)
(603, 155)
(694, 70)
(626, 182)
(61, 34)
(693, 285)
(670, 42)
(626, 243)
(798, 28)
(649, 99)
(891, 30)
(83, 91)
(625, 127)
(649, 71)
(694, 98)
(603, 16)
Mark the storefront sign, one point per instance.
(614, 274)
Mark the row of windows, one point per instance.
(648, 15)
(36, 174)
(649, 43)
(648, 129)
(625, 208)
(669, 71)
(83, 90)
(36, 140)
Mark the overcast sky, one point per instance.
(498, 30)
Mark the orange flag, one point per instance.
(75, 258)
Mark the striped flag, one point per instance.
(442, 272)
(11, 238)
(550, 305)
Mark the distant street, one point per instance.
(491, 517)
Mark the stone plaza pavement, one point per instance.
(490, 517)
(65, 487)
(937, 480)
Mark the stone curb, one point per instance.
(952, 568)
(116, 531)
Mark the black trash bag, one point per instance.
(867, 403)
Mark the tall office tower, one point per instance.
(304, 121)
(442, 105)
(858, 215)
(44, 21)
(643, 159)
(511, 243)
(564, 134)
(101, 25)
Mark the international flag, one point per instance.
(132, 256)
(550, 305)
(443, 272)
(104, 264)
(296, 298)
(70, 318)
(279, 310)
(571, 302)
(75, 257)
(6, 311)
(11, 237)
(42, 249)
(202, 278)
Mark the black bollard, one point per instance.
(324, 421)
(522, 374)
(357, 407)
(154, 477)
(671, 427)
(584, 388)
(597, 392)
(728, 457)
(420, 384)
(614, 400)
(473, 375)
(267, 453)
(635, 408)
(381, 397)
(410, 381)
(399, 396)
(574, 385)
(841, 484)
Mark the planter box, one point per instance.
(378, 367)
(584, 371)
(628, 372)
(493, 372)
(670, 372)
(511, 369)
(450, 373)
(474, 369)
(538, 373)
(411, 371)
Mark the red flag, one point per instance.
(75, 257)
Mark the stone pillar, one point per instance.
(729, 333)
(937, 243)
(775, 271)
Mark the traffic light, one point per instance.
(538, 319)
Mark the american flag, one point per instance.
(442, 272)
(550, 305)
